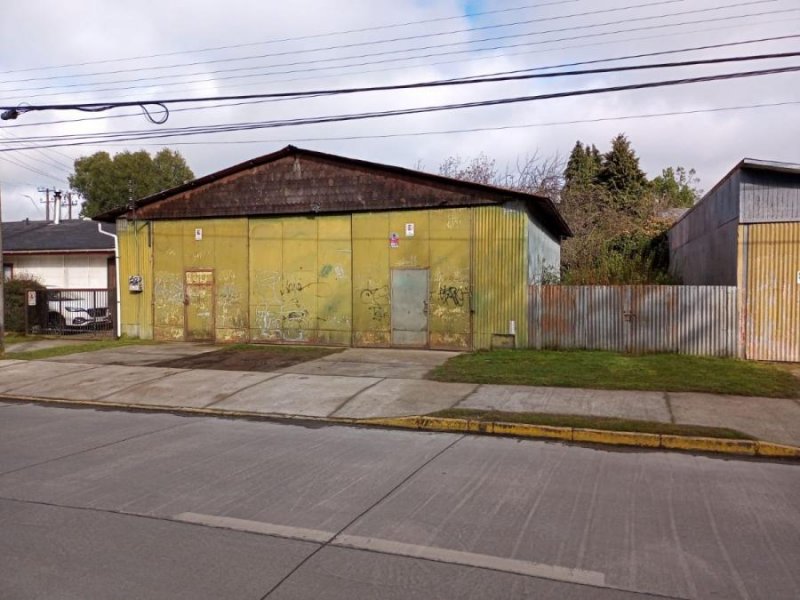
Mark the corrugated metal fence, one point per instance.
(700, 320)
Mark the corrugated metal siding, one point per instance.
(223, 249)
(544, 254)
(136, 258)
(771, 264)
(301, 275)
(702, 245)
(700, 320)
(769, 196)
(500, 271)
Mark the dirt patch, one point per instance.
(262, 359)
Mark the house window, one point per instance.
(8, 270)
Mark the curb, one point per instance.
(423, 423)
(593, 436)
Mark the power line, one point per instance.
(149, 80)
(483, 129)
(103, 106)
(528, 69)
(291, 39)
(77, 140)
(387, 41)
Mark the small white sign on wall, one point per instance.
(198, 234)
(31, 298)
(409, 230)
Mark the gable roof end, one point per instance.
(399, 188)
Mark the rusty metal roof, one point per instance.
(298, 181)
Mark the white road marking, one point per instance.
(445, 555)
(292, 533)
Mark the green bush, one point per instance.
(14, 300)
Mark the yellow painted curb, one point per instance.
(533, 431)
(704, 444)
(777, 450)
(617, 438)
(594, 436)
(424, 423)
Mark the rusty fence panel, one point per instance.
(699, 320)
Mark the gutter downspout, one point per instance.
(116, 266)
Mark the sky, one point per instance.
(102, 51)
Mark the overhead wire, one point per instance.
(291, 39)
(164, 102)
(480, 129)
(527, 69)
(393, 40)
(75, 140)
(318, 62)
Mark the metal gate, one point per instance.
(73, 312)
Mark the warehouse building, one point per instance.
(746, 232)
(305, 247)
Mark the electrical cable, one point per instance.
(84, 139)
(290, 39)
(162, 103)
(393, 40)
(528, 69)
(149, 80)
(480, 129)
(384, 61)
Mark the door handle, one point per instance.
(425, 307)
(186, 299)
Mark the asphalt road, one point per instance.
(101, 504)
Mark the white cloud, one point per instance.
(45, 33)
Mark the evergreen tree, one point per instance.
(582, 167)
(621, 175)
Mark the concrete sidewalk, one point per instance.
(369, 384)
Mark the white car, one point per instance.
(77, 310)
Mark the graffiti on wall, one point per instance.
(375, 298)
(168, 300)
(286, 303)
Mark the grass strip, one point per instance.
(610, 370)
(591, 422)
(89, 346)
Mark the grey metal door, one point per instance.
(410, 307)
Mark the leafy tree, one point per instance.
(676, 188)
(107, 183)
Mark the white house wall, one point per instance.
(63, 270)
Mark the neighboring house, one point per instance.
(69, 254)
(301, 246)
(746, 232)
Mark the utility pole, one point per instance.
(46, 203)
(70, 204)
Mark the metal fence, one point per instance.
(700, 320)
(74, 312)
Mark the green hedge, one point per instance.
(14, 301)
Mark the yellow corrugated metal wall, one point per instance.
(327, 279)
(439, 242)
(371, 283)
(222, 250)
(769, 266)
(300, 273)
(499, 263)
(136, 255)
